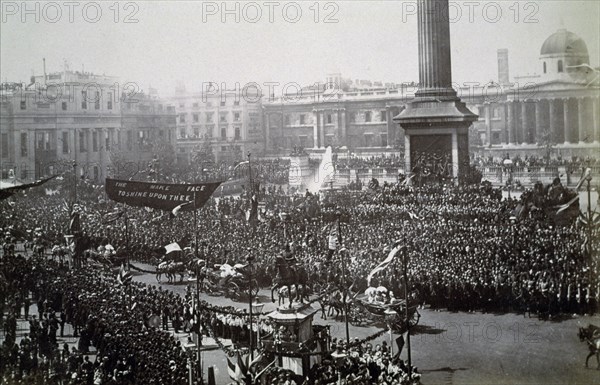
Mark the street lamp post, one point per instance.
(390, 317)
(406, 315)
(257, 309)
(74, 182)
(198, 315)
(250, 259)
(508, 164)
(345, 291)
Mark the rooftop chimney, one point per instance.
(503, 66)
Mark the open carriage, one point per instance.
(363, 312)
(227, 281)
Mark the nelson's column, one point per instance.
(436, 122)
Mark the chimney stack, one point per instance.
(503, 76)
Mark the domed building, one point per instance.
(563, 55)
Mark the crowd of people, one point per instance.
(112, 318)
(466, 249)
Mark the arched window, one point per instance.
(560, 66)
(544, 67)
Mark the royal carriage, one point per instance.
(364, 310)
(229, 281)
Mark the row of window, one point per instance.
(329, 118)
(208, 104)
(237, 116)
(237, 133)
(84, 102)
(46, 141)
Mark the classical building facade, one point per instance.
(229, 124)
(557, 110)
(67, 117)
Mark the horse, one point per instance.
(170, 269)
(591, 335)
(288, 275)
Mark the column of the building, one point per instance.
(72, 139)
(510, 122)
(391, 133)
(524, 123)
(102, 153)
(407, 165)
(582, 129)
(267, 131)
(31, 166)
(552, 126)
(488, 124)
(316, 128)
(536, 127)
(596, 118)
(344, 135)
(566, 118)
(322, 128)
(89, 140)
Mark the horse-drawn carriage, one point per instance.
(366, 309)
(229, 281)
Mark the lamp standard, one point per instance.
(390, 317)
(74, 182)
(250, 259)
(257, 309)
(508, 165)
(406, 315)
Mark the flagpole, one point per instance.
(344, 281)
(198, 334)
(406, 308)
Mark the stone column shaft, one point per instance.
(582, 129)
(435, 70)
(524, 124)
(510, 122)
(535, 128)
(268, 131)
(596, 118)
(552, 126)
(316, 129)
(566, 118)
(488, 124)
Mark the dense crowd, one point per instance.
(466, 249)
(536, 161)
(112, 318)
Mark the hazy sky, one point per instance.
(376, 40)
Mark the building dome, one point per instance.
(565, 43)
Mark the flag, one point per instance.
(177, 209)
(586, 174)
(264, 370)
(70, 241)
(75, 223)
(124, 277)
(413, 215)
(396, 247)
(235, 370)
(562, 208)
(334, 235)
(112, 217)
(172, 247)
